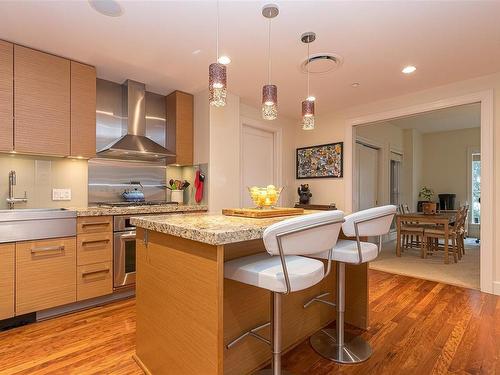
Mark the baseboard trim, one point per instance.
(83, 305)
(496, 288)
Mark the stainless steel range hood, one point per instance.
(135, 145)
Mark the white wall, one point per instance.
(224, 155)
(445, 161)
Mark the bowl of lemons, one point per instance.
(265, 197)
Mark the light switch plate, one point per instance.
(61, 194)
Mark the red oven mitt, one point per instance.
(198, 184)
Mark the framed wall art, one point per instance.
(322, 161)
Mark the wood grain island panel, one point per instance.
(187, 312)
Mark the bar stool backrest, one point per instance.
(371, 222)
(304, 235)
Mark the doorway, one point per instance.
(440, 153)
(259, 162)
(367, 167)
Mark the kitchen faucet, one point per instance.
(11, 200)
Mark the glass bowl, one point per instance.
(265, 197)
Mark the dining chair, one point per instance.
(456, 235)
(411, 233)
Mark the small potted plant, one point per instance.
(428, 206)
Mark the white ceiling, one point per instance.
(153, 43)
(442, 120)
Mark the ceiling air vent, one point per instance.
(322, 63)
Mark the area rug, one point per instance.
(464, 273)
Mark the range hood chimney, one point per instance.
(135, 145)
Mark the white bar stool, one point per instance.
(283, 271)
(336, 345)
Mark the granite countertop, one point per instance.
(133, 210)
(213, 229)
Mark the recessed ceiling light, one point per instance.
(355, 84)
(110, 8)
(311, 98)
(196, 51)
(409, 69)
(224, 60)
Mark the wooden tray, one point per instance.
(261, 214)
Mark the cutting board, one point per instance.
(262, 214)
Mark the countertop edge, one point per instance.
(193, 234)
(143, 210)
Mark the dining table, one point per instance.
(440, 219)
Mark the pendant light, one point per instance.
(269, 91)
(308, 104)
(217, 77)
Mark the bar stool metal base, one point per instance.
(354, 350)
(269, 371)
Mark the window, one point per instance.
(476, 189)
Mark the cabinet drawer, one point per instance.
(94, 248)
(94, 280)
(7, 253)
(45, 274)
(94, 224)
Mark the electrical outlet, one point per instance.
(61, 194)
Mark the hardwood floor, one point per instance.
(418, 327)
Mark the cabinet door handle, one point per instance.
(97, 223)
(106, 270)
(95, 243)
(46, 248)
(128, 236)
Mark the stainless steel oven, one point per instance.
(123, 252)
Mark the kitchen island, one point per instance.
(187, 312)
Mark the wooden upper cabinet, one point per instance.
(83, 105)
(180, 127)
(6, 96)
(42, 103)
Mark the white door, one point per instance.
(367, 166)
(257, 160)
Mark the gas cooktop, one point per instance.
(133, 204)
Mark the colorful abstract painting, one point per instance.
(321, 161)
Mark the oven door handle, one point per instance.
(127, 236)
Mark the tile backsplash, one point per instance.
(38, 176)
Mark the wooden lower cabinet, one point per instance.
(45, 274)
(94, 257)
(94, 248)
(94, 224)
(94, 280)
(7, 259)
